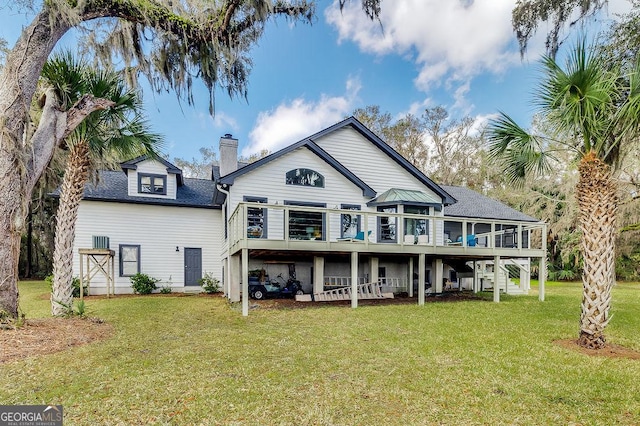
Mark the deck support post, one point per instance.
(421, 278)
(234, 278)
(318, 274)
(245, 282)
(475, 277)
(542, 272)
(410, 281)
(354, 279)
(496, 275)
(374, 264)
(438, 277)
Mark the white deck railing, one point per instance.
(324, 226)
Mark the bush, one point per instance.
(165, 290)
(209, 284)
(143, 283)
(75, 283)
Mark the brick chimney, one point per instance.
(228, 154)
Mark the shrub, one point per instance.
(165, 289)
(143, 283)
(75, 282)
(209, 284)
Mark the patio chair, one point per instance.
(358, 237)
(471, 240)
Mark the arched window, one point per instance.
(305, 177)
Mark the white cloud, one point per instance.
(221, 121)
(449, 40)
(292, 121)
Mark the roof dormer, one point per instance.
(152, 177)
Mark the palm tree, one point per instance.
(593, 108)
(105, 137)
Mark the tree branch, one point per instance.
(80, 110)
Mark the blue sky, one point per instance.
(461, 54)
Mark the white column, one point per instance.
(245, 282)
(374, 264)
(318, 274)
(542, 277)
(421, 278)
(354, 279)
(410, 277)
(234, 278)
(438, 272)
(496, 274)
(524, 276)
(475, 277)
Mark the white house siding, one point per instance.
(155, 168)
(369, 163)
(157, 230)
(268, 181)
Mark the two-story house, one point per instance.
(339, 210)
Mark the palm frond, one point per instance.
(518, 152)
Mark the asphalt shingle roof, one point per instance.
(112, 186)
(473, 204)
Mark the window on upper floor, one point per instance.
(306, 225)
(304, 177)
(256, 219)
(387, 225)
(350, 222)
(152, 184)
(415, 226)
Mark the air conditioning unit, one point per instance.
(100, 242)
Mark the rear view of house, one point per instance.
(339, 211)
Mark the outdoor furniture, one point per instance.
(358, 237)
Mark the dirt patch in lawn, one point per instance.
(610, 351)
(49, 335)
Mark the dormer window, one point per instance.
(305, 177)
(152, 184)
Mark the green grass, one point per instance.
(195, 360)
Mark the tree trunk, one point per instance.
(75, 176)
(597, 199)
(22, 162)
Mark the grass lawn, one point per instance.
(196, 360)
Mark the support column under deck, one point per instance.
(234, 278)
(318, 274)
(438, 275)
(421, 277)
(542, 277)
(410, 282)
(245, 282)
(496, 275)
(354, 279)
(374, 264)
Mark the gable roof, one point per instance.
(392, 153)
(112, 186)
(133, 165)
(369, 135)
(313, 147)
(473, 204)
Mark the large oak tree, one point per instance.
(171, 42)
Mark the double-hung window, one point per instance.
(152, 184)
(413, 226)
(129, 260)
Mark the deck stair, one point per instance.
(505, 284)
(365, 291)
